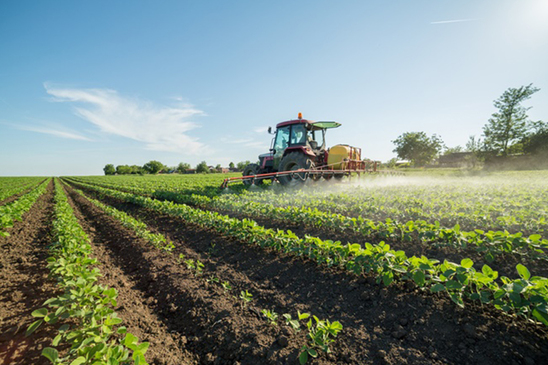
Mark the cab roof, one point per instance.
(310, 123)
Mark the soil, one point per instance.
(399, 324)
(24, 284)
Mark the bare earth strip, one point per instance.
(24, 284)
(133, 305)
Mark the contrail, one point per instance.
(453, 21)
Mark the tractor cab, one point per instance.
(300, 135)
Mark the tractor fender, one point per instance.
(303, 149)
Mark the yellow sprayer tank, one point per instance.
(339, 156)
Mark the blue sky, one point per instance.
(83, 84)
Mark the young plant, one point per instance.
(294, 323)
(320, 335)
(226, 285)
(246, 296)
(271, 316)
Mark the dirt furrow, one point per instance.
(397, 324)
(201, 317)
(24, 284)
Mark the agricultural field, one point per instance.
(426, 268)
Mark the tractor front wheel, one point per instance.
(250, 170)
(295, 161)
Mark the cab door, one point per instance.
(280, 144)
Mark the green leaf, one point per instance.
(51, 354)
(303, 357)
(467, 263)
(143, 347)
(453, 285)
(78, 361)
(56, 340)
(33, 327)
(387, 278)
(418, 277)
(523, 272)
(542, 317)
(455, 297)
(312, 352)
(40, 313)
(437, 288)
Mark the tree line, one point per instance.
(509, 131)
(155, 167)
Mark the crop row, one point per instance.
(320, 332)
(85, 310)
(492, 203)
(11, 188)
(14, 211)
(490, 243)
(526, 296)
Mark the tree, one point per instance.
(510, 123)
(536, 142)
(218, 168)
(135, 169)
(418, 147)
(240, 166)
(109, 169)
(123, 170)
(450, 150)
(231, 165)
(202, 168)
(473, 144)
(183, 167)
(154, 167)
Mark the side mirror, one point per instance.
(269, 130)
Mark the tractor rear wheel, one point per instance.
(295, 161)
(251, 169)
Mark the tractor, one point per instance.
(298, 152)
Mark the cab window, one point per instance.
(282, 139)
(298, 134)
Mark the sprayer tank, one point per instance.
(340, 154)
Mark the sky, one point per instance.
(89, 83)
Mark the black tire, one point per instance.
(295, 161)
(251, 169)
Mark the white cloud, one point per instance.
(260, 129)
(453, 21)
(54, 132)
(161, 128)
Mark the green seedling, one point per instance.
(271, 316)
(190, 264)
(198, 267)
(246, 296)
(320, 335)
(226, 285)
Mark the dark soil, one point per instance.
(395, 325)
(135, 307)
(24, 284)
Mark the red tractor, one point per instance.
(298, 152)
